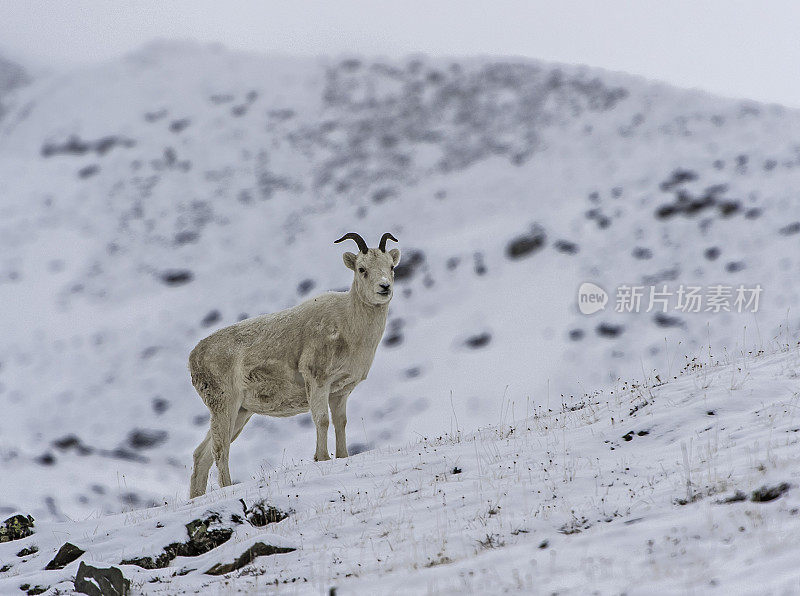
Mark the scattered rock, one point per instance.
(186, 237)
(201, 540)
(792, 228)
(665, 320)
(478, 341)
(97, 581)
(28, 550)
(33, 590)
(178, 126)
(734, 498)
(259, 549)
(576, 334)
(176, 277)
(526, 244)
(734, 266)
(712, 254)
(68, 442)
(211, 318)
(65, 555)
(356, 448)
(394, 335)
(479, 264)
(88, 171)
(46, 459)
(261, 514)
(677, 178)
(609, 330)
(566, 247)
(642, 253)
(769, 493)
(305, 286)
(16, 527)
(75, 146)
(160, 405)
(142, 438)
(412, 260)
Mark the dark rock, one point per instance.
(734, 266)
(665, 320)
(526, 244)
(46, 459)
(479, 264)
(16, 527)
(305, 286)
(32, 591)
(97, 581)
(186, 237)
(792, 228)
(65, 555)
(176, 277)
(734, 498)
(566, 247)
(141, 438)
(88, 171)
(380, 195)
(452, 263)
(201, 540)
(29, 550)
(356, 448)
(576, 334)
(68, 442)
(712, 253)
(609, 330)
(728, 208)
(261, 514)
(259, 549)
(212, 317)
(412, 260)
(677, 178)
(126, 454)
(160, 405)
(769, 493)
(6, 567)
(479, 341)
(642, 253)
(753, 213)
(178, 126)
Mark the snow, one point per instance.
(558, 501)
(242, 169)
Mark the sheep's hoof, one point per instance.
(325, 457)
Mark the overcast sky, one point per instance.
(734, 48)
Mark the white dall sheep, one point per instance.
(308, 357)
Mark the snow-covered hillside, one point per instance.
(685, 486)
(148, 201)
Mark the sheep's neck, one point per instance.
(367, 321)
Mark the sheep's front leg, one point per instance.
(318, 402)
(338, 403)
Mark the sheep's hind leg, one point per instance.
(202, 464)
(222, 432)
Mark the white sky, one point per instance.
(730, 47)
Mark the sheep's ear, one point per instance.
(395, 254)
(349, 260)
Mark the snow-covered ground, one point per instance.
(150, 200)
(685, 486)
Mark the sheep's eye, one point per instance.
(362, 270)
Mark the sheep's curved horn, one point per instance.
(362, 245)
(384, 238)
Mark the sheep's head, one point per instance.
(373, 268)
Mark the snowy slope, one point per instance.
(688, 486)
(148, 201)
